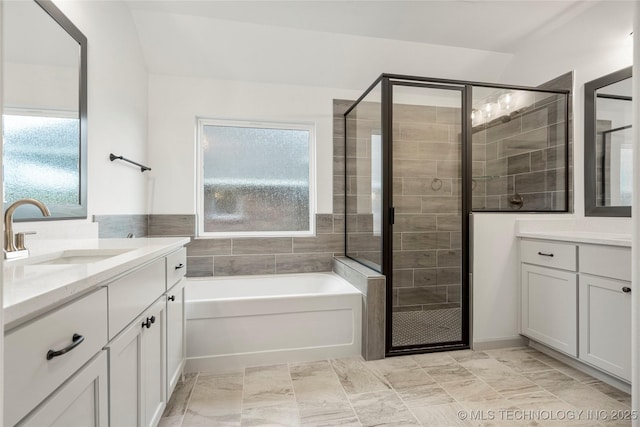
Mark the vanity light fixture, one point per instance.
(489, 110)
(506, 101)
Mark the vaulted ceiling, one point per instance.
(309, 41)
(500, 26)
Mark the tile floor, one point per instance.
(506, 387)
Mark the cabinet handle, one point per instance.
(147, 323)
(179, 266)
(76, 340)
(626, 289)
(543, 254)
(171, 298)
(153, 319)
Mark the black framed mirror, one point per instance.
(44, 111)
(608, 157)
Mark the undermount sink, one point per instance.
(71, 256)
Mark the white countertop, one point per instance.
(32, 289)
(597, 238)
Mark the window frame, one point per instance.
(310, 127)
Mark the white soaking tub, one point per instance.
(233, 322)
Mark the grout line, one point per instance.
(344, 391)
(295, 396)
(406, 404)
(244, 380)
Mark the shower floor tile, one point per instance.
(513, 387)
(427, 327)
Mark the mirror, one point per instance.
(44, 111)
(608, 145)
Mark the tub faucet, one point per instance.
(14, 245)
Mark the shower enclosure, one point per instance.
(421, 154)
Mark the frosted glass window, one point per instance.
(41, 159)
(256, 179)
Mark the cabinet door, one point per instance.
(175, 335)
(549, 307)
(125, 377)
(154, 367)
(81, 402)
(605, 324)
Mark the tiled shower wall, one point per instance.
(426, 188)
(524, 155)
(426, 196)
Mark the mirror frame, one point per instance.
(590, 88)
(60, 212)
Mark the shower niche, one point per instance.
(421, 155)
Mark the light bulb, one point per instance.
(506, 101)
(476, 117)
(488, 110)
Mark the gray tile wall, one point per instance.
(372, 285)
(426, 188)
(363, 122)
(117, 226)
(427, 233)
(254, 255)
(524, 155)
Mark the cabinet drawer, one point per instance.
(29, 376)
(607, 261)
(549, 254)
(176, 266)
(131, 295)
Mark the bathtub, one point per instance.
(234, 322)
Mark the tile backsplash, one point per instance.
(254, 255)
(237, 256)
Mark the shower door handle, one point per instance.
(392, 215)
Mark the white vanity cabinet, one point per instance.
(605, 308)
(549, 298)
(576, 298)
(146, 357)
(81, 402)
(91, 350)
(137, 377)
(39, 359)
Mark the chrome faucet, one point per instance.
(14, 245)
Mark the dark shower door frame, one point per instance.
(388, 83)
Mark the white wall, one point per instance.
(117, 105)
(31, 86)
(176, 102)
(231, 50)
(591, 49)
(247, 71)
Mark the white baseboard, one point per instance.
(492, 344)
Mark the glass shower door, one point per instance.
(427, 233)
